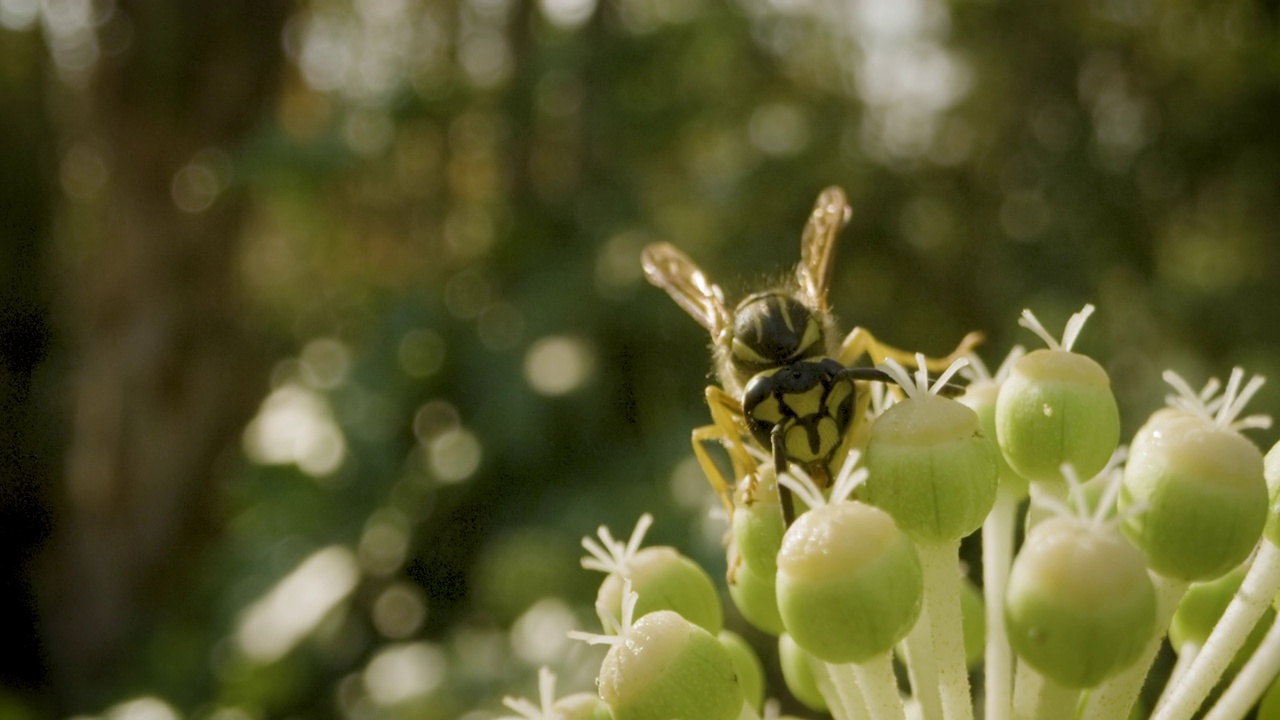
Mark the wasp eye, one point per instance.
(772, 329)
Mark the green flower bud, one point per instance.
(797, 672)
(666, 667)
(665, 580)
(931, 468)
(1080, 606)
(980, 396)
(748, 666)
(1204, 496)
(1201, 608)
(1057, 408)
(754, 594)
(849, 582)
(758, 523)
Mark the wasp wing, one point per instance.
(687, 284)
(817, 246)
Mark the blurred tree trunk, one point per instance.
(26, 189)
(164, 372)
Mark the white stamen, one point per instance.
(1115, 476)
(612, 556)
(1006, 365)
(1074, 326)
(1221, 410)
(617, 628)
(799, 482)
(1069, 335)
(547, 696)
(918, 385)
(848, 479)
(946, 375)
(899, 374)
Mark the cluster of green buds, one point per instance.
(1093, 556)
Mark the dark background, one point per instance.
(347, 292)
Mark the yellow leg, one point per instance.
(861, 342)
(726, 430)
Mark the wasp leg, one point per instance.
(780, 466)
(861, 342)
(726, 430)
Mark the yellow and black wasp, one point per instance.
(785, 380)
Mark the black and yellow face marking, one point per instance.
(802, 410)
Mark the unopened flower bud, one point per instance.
(1080, 606)
(666, 667)
(849, 582)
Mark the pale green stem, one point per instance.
(1186, 655)
(1255, 595)
(840, 706)
(1252, 680)
(1026, 691)
(1040, 698)
(876, 682)
(918, 657)
(748, 712)
(1114, 698)
(1057, 702)
(940, 564)
(997, 556)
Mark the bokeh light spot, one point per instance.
(383, 546)
(399, 611)
(567, 14)
(540, 635)
(402, 672)
(434, 418)
(618, 263)
(324, 363)
(295, 425)
(194, 188)
(454, 455)
(292, 609)
(143, 708)
(19, 15)
(485, 58)
(558, 364)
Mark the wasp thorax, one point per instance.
(772, 329)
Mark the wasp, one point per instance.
(786, 380)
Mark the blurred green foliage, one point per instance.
(448, 204)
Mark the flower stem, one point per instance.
(942, 598)
(1252, 680)
(1040, 698)
(1255, 595)
(877, 683)
(1114, 698)
(748, 712)
(844, 703)
(997, 556)
(918, 657)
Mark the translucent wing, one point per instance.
(817, 245)
(684, 281)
